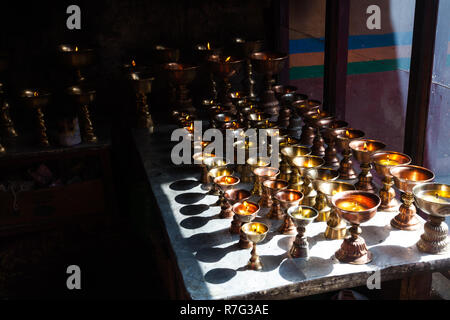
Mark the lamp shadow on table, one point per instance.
(392, 254)
(294, 269)
(197, 222)
(193, 209)
(189, 197)
(375, 234)
(215, 254)
(184, 185)
(219, 275)
(210, 239)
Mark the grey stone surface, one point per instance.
(213, 267)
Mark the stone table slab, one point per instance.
(213, 267)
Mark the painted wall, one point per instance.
(378, 63)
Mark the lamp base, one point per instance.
(406, 219)
(354, 251)
(434, 240)
(255, 262)
(288, 226)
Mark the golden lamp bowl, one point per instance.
(245, 211)
(226, 182)
(324, 122)
(237, 195)
(364, 148)
(385, 160)
(200, 157)
(433, 198)
(81, 94)
(406, 177)
(356, 206)
(141, 81)
(304, 106)
(266, 172)
(331, 188)
(286, 141)
(323, 174)
(343, 138)
(291, 152)
(215, 162)
(255, 231)
(245, 47)
(302, 215)
(268, 62)
(223, 66)
(275, 185)
(74, 56)
(35, 98)
(203, 51)
(305, 163)
(164, 54)
(288, 197)
(178, 73)
(258, 161)
(219, 172)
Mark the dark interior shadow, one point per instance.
(193, 209)
(374, 234)
(211, 239)
(196, 222)
(215, 254)
(184, 185)
(219, 275)
(189, 197)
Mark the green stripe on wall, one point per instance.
(352, 68)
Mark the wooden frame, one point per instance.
(421, 70)
(336, 53)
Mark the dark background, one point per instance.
(115, 261)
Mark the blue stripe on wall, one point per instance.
(354, 42)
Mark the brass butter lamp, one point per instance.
(346, 170)
(383, 162)
(268, 200)
(262, 174)
(304, 164)
(288, 170)
(244, 212)
(214, 173)
(355, 207)
(225, 68)
(180, 75)
(199, 158)
(406, 177)
(233, 196)
(83, 96)
(223, 184)
(269, 64)
(246, 47)
(141, 83)
(302, 217)
(255, 232)
(321, 205)
(288, 198)
(362, 150)
(76, 58)
(37, 100)
(434, 200)
(336, 227)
